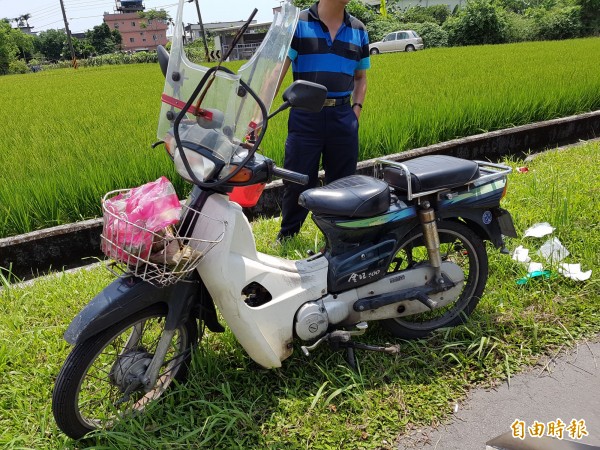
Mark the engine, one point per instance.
(311, 321)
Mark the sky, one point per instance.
(83, 15)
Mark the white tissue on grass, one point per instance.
(534, 267)
(553, 250)
(574, 272)
(539, 230)
(521, 254)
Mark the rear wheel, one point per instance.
(99, 381)
(458, 244)
(410, 48)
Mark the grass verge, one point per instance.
(319, 403)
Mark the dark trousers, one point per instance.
(331, 134)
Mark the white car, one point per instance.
(398, 41)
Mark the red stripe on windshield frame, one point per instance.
(198, 112)
(177, 103)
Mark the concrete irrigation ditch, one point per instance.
(73, 245)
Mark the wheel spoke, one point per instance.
(458, 245)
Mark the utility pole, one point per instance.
(62, 6)
(201, 30)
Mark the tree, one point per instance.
(103, 39)
(480, 22)
(117, 39)
(50, 43)
(24, 43)
(433, 35)
(590, 16)
(379, 27)
(437, 14)
(558, 22)
(303, 4)
(14, 44)
(81, 47)
(8, 49)
(516, 6)
(359, 10)
(154, 14)
(26, 18)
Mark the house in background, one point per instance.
(192, 31)
(248, 43)
(223, 33)
(138, 34)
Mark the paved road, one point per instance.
(567, 388)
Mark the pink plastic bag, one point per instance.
(131, 219)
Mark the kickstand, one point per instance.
(350, 346)
(351, 358)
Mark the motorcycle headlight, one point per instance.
(203, 168)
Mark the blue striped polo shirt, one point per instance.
(316, 58)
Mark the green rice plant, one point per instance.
(68, 136)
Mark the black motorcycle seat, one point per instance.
(433, 172)
(353, 196)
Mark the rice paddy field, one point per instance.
(68, 136)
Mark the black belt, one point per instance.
(336, 101)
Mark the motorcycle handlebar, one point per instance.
(288, 175)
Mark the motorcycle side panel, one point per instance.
(121, 298)
(360, 250)
(486, 195)
(362, 266)
(479, 207)
(265, 331)
(344, 234)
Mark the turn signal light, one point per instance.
(504, 190)
(243, 176)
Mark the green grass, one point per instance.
(319, 403)
(70, 136)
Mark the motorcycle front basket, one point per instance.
(160, 257)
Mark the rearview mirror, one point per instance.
(163, 59)
(305, 95)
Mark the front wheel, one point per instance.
(99, 381)
(374, 51)
(458, 244)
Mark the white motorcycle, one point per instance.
(404, 247)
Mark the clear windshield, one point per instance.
(221, 110)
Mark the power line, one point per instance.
(86, 17)
(45, 8)
(56, 21)
(46, 16)
(88, 3)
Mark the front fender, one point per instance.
(123, 297)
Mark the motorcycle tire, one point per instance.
(458, 244)
(96, 386)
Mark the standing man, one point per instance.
(330, 47)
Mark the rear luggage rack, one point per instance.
(487, 172)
